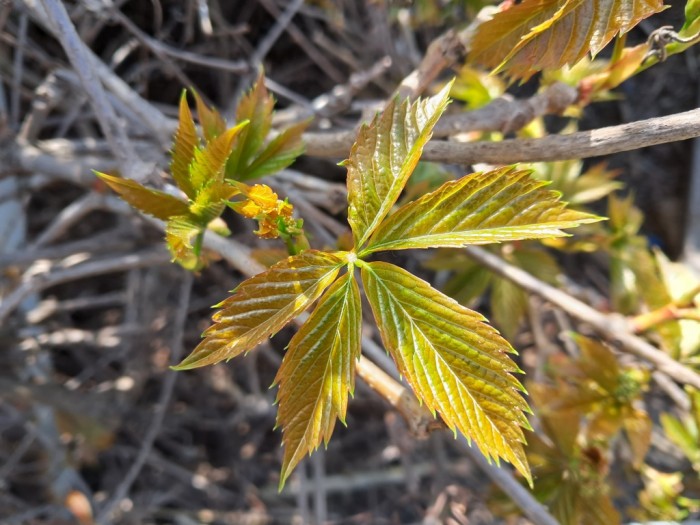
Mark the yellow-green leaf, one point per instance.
(213, 124)
(180, 233)
(455, 362)
(210, 201)
(547, 34)
(159, 204)
(279, 153)
(318, 372)
(495, 206)
(256, 106)
(262, 305)
(184, 147)
(384, 156)
(208, 163)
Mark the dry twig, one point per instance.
(614, 327)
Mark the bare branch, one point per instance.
(79, 58)
(579, 145)
(613, 327)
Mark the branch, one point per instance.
(579, 145)
(166, 392)
(78, 55)
(42, 281)
(150, 116)
(613, 327)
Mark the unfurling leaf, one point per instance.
(182, 236)
(185, 144)
(251, 157)
(262, 305)
(159, 204)
(255, 106)
(208, 163)
(495, 206)
(456, 363)
(384, 156)
(318, 372)
(213, 124)
(547, 34)
(279, 153)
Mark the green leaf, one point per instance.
(279, 153)
(547, 34)
(495, 206)
(213, 124)
(159, 204)
(184, 147)
(508, 306)
(208, 163)
(456, 363)
(384, 156)
(262, 305)
(318, 372)
(692, 19)
(256, 106)
(679, 434)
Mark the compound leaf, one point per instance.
(318, 372)
(495, 206)
(159, 204)
(455, 362)
(184, 147)
(384, 156)
(547, 34)
(262, 305)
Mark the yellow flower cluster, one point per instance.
(262, 204)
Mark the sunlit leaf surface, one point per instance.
(456, 363)
(262, 305)
(384, 156)
(495, 206)
(318, 372)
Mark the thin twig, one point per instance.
(263, 49)
(176, 347)
(17, 71)
(579, 145)
(79, 58)
(614, 327)
(533, 509)
(160, 126)
(39, 282)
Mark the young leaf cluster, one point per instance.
(457, 364)
(209, 168)
(591, 399)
